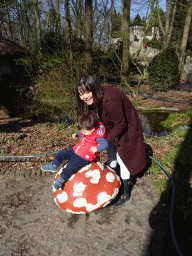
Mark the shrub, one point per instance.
(106, 64)
(55, 91)
(163, 70)
(154, 43)
(16, 94)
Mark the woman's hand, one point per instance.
(93, 150)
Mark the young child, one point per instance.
(85, 151)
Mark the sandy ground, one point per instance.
(32, 224)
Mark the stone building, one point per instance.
(137, 33)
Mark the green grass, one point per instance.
(175, 120)
(178, 147)
(2, 152)
(60, 127)
(73, 128)
(21, 136)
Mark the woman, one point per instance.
(124, 133)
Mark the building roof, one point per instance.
(10, 48)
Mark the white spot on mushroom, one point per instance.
(55, 201)
(103, 197)
(68, 210)
(101, 165)
(110, 168)
(116, 191)
(78, 189)
(95, 174)
(119, 179)
(80, 202)
(72, 177)
(91, 207)
(54, 189)
(60, 171)
(63, 197)
(106, 203)
(110, 177)
(85, 168)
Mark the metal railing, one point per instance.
(32, 156)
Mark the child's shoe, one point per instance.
(49, 167)
(58, 183)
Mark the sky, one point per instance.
(138, 7)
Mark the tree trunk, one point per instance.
(126, 41)
(88, 31)
(58, 25)
(68, 24)
(105, 13)
(185, 36)
(79, 23)
(169, 27)
(24, 24)
(167, 30)
(9, 21)
(38, 27)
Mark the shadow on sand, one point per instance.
(172, 226)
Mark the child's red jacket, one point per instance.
(82, 148)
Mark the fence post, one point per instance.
(45, 158)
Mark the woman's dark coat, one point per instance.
(123, 128)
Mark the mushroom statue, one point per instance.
(90, 188)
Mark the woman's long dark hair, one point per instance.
(88, 83)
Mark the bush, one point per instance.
(52, 42)
(163, 70)
(106, 64)
(154, 43)
(16, 94)
(55, 91)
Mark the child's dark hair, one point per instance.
(86, 122)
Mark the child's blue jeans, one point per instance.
(75, 162)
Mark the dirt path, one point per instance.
(32, 224)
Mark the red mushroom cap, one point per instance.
(92, 187)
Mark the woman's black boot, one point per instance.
(127, 186)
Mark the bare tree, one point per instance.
(58, 24)
(126, 41)
(9, 20)
(88, 31)
(185, 35)
(105, 12)
(68, 24)
(38, 26)
(23, 22)
(78, 19)
(148, 18)
(171, 7)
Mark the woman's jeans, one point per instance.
(114, 158)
